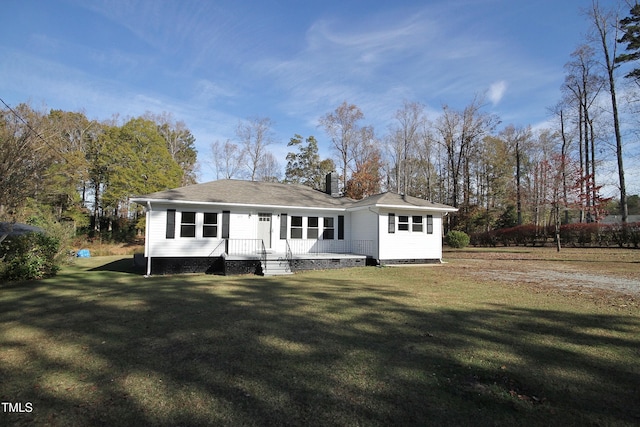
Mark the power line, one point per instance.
(15, 113)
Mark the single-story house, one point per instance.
(234, 226)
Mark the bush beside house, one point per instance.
(28, 256)
(457, 239)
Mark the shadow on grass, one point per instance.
(104, 348)
(124, 265)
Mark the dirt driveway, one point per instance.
(575, 270)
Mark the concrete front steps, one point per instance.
(276, 267)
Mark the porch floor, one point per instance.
(274, 256)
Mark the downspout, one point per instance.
(147, 246)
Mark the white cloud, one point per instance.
(496, 91)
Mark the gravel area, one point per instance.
(571, 270)
(568, 279)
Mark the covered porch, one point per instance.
(243, 255)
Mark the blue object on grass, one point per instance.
(83, 253)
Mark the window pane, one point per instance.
(210, 218)
(188, 224)
(328, 233)
(187, 231)
(296, 227)
(312, 227)
(188, 217)
(429, 224)
(403, 223)
(210, 231)
(416, 223)
(392, 223)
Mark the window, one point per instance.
(340, 227)
(210, 226)
(327, 234)
(403, 223)
(416, 223)
(171, 224)
(429, 224)
(312, 227)
(296, 227)
(392, 223)
(188, 224)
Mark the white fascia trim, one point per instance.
(404, 207)
(241, 205)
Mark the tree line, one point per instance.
(498, 175)
(84, 170)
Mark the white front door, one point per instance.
(264, 229)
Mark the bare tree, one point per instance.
(254, 135)
(25, 153)
(268, 168)
(458, 133)
(227, 159)
(344, 131)
(518, 140)
(606, 29)
(581, 88)
(404, 139)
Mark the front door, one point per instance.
(264, 229)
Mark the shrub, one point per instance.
(27, 257)
(457, 239)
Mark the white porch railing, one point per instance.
(255, 247)
(313, 246)
(246, 247)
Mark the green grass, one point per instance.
(98, 345)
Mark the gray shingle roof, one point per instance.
(238, 192)
(233, 191)
(394, 199)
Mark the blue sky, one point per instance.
(214, 63)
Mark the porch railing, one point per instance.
(220, 249)
(246, 247)
(312, 246)
(289, 254)
(263, 256)
(255, 248)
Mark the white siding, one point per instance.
(242, 225)
(160, 246)
(364, 226)
(410, 244)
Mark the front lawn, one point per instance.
(98, 345)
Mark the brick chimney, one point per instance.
(332, 184)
